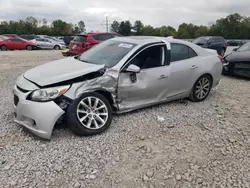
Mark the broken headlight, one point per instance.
(48, 94)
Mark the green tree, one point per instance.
(81, 26)
(115, 26)
(148, 30)
(125, 28)
(138, 27)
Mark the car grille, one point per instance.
(16, 100)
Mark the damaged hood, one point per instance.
(59, 71)
(238, 57)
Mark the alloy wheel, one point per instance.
(92, 113)
(202, 88)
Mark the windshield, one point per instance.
(80, 38)
(3, 37)
(107, 53)
(244, 47)
(201, 40)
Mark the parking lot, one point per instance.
(178, 144)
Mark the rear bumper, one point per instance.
(38, 117)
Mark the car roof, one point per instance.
(140, 40)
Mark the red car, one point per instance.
(84, 41)
(16, 44)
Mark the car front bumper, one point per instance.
(38, 117)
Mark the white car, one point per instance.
(116, 76)
(45, 43)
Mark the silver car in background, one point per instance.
(46, 43)
(116, 76)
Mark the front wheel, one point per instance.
(201, 89)
(90, 114)
(29, 47)
(57, 47)
(222, 52)
(3, 48)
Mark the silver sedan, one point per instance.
(116, 76)
(45, 43)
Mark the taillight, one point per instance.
(221, 58)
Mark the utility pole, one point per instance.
(107, 24)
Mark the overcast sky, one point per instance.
(153, 12)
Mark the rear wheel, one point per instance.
(57, 47)
(201, 89)
(90, 114)
(29, 47)
(3, 48)
(222, 52)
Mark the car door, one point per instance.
(40, 42)
(214, 43)
(48, 44)
(148, 86)
(184, 66)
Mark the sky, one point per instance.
(150, 12)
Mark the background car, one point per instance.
(2, 37)
(45, 43)
(85, 41)
(235, 42)
(110, 78)
(16, 44)
(29, 37)
(11, 35)
(238, 62)
(212, 42)
(68, 39)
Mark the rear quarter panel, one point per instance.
(211, 64)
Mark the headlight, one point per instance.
(48, 94)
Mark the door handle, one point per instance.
(162, 77)
(194, 67)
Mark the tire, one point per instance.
(77, 110)
(222, 52)
(3, 48)
(29, 47)
(196, 96)
(57, 47)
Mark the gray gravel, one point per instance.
(179, 144)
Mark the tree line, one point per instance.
(234, 26)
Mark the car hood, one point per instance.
(238, 56)
(59, 71)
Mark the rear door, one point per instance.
(184, 66)
(48, 44)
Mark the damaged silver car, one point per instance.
(116, 76)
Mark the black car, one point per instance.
(238, 62)
(212, 42)
(67, 39)
(29, 37)
(235, 43)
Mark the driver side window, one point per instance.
(150, 57)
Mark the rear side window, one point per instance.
(80, 38)
(181, 52)
(191, 53)
(96, 37)
(104, 37)
(39, 39)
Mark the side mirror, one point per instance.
(235, 49)
(133, 68)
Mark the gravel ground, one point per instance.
(178, 144)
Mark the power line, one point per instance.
(107, 24)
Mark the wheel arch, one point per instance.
(108, 96)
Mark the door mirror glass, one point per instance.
(133, 68)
